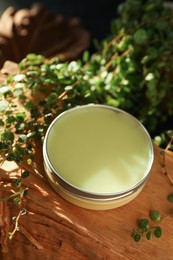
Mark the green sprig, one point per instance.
(146, 228)
(132, 70)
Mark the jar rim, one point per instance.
(69, 187)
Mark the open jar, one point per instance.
(97, 157)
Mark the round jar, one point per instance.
(97, 157)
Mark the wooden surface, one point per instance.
(55, 229)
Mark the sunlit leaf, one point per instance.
(3, 105)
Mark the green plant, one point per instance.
(132, 70)
(145, 228)
(148, 229)
(170, 197)
(163, 154)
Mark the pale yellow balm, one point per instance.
(99, 150)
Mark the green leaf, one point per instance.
(18, 158)
(25, 193)
(170, 133)
(10, 156)
(137, 237)
(155, 215)
(31, 134)
(34, 113)
(33, 73)
(52, 99)
(10, 79)
(86, 56)
(170, 197)
(22, 97)
(140, 37)
(17, 92)
(4, 89)
(17, 150)
(158, 232)
(19, 77)
(152, 53)
(17, 201)
(22, 138)
(34, 57)
(149, 76)
(3, 105)
(158, 140)
(162, 25)
(20, 117)
(143, 224)
(25, 174)
(149, 235)
(19, 127)
(29, 105)
(1, 122)
(29, 161)
(10, 119)
(16, 183)
(7, 135)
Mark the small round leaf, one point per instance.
(143, 224)
(7, 135)
(170, 197)
(17, 183)
(149, 235)
(3, 105)
(140, 37)
(17, 201)
(137, 237)
(158, 232)
(155, 215)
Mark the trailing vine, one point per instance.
(132, 70)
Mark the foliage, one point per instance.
(144, 227)
(132, 70)
(146, 37)
(147, 229)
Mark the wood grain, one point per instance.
(66, 231)
(55, 229)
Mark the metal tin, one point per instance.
(93, 200)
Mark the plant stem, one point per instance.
(163, 163)
(30, 238)
(13, 195)
(16, 228)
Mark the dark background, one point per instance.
(95, 15)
